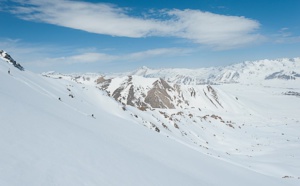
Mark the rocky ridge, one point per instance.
(6, 57)
(150, 93)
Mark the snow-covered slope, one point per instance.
(214, 118)
(249, 72)
(56, 131)
(244, 123)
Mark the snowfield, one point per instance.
(86, 137)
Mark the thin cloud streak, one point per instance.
(158, 52)
(94, 57)
(91, 57)
(213, 30)
(284, 35)
(40, 55)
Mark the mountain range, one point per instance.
(233, 125)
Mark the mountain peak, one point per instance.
(142, 71)
(145, 68)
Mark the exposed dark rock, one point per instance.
(100, 80)
(105, 84)
(9, 59)
(117, 93)
(130, 96)
(155, 96)
(165, 84)
(214, 94)
(283, 75)
(292, 93)
(158, 97)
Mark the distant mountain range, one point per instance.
(246, 72)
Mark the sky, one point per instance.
(116, 36)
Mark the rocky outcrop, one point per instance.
(292, 93)
(158, 97)
(128, 93)
(214, 94)
(10, 60)
(283, 75)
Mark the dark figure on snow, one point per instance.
(8, 71)
(92, 115)
(59, 99)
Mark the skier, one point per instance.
(59, 99)
(8, 71)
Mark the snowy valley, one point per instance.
(234, 125)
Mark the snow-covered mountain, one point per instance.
(91, 129)
(146, 93)
(246, 72)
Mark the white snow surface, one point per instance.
(45, 141)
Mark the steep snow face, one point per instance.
(252, 125)
(247, 73)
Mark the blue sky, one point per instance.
(115, 36)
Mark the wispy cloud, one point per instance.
(46, 57)
(204, 28)
(91, 57)
(158, 53)
(284, 35)
(18, 47)
(98, 57)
